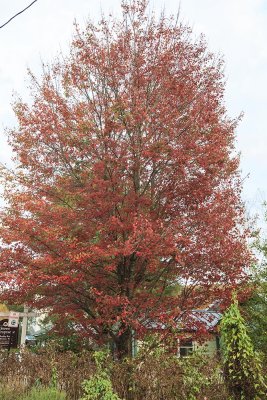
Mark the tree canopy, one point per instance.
(125, 181)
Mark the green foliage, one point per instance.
(54, 377)
(255, 309)
(99, 386)
(194, 380)
(242, 366)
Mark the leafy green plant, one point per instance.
(194, 380)
(54, 377)
(242, 365)
(99, 386)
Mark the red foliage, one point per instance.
(125, 181)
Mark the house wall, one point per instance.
(209, 347)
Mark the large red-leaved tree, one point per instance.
(125, 183)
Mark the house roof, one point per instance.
(206, 317)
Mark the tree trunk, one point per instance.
(123, 345)
(123, 349)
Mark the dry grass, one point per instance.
(21, 371)
(150, 377)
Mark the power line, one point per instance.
(20, 12)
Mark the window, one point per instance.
(186, 347)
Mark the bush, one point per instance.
(242, 365)
(99, 386)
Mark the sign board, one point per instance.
(13, 320)
(8, 335)
(13, 314)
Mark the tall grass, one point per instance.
(9, 392)
(44, 394)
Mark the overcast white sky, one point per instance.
(235, 28)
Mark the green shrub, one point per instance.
(242, 365)
(99, 386)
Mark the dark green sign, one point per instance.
(8, 336)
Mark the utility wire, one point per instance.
(20, 12)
